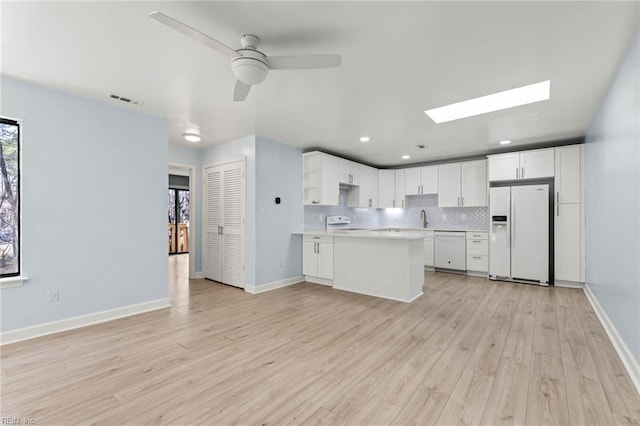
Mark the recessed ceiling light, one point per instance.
(422, 146)
(505, 142)
(365, 139)
(406, 157)
(502, 100)
(191, 137)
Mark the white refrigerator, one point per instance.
(519, 233)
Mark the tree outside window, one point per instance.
(9, 198)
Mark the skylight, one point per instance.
(502, 100)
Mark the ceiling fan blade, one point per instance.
(300, 62)
(240, 91)
(193, 33)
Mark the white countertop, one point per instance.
(384, 232)
(364, 233)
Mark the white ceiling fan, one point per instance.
(249, 65)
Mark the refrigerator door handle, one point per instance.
(558, 203)
(513, 223)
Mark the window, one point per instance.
(9, 198)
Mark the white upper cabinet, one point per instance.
(537, 163)
(374, 187)
(399, 188)
(421, 180)
(412, 181)
(349, 172)
(449, 185)
(473, 191)
(387, 188)
(429, 179)
(368, 188)
(320, 180)
(568, 179)
(504, 166)
(534, 164)
(462, 184)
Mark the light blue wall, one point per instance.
(612, 182)
(94, 197)
(278, 174)
(236, 150)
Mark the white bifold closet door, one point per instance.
(224, 190)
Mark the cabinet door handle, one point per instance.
(517, 172)
(393, 203)
(370, 202)
(461, 201)
(403, 202)
(318, 247)
(558, 203)
(476, 241)
(522, 173)
(476, 257)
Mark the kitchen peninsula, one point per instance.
(382, 264)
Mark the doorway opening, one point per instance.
(178, 215)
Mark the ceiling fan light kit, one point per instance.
(249, 65)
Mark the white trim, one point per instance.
(198, 275)
(20, 334)
(629, 362)
(261, 288)
(316, 280)
(568, 284)
(9, 282)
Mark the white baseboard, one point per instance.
(261, 288)
(316, 280)
(20, 334)
(568, 284)
(198, 275)
(630, 363)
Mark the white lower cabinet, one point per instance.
(317, 256)
(478, 251)
(568, 242)
(428, 251)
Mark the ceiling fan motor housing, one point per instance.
(251, 67)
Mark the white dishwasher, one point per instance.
(450, 250)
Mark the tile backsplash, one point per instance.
(437, 217)
(314, 216)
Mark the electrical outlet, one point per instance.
(463, 216)
(52, 295)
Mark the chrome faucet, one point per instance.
(423, 216)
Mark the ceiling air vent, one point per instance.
(125, 100)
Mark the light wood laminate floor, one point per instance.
(469, 351)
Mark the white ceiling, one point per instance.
(398, 60)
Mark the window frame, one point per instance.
(15, 278)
